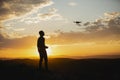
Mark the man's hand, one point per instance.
(46, 47)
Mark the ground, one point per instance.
(61, 69)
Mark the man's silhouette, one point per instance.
(42, 50)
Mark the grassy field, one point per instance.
(61, 69)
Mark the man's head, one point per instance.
(41, 33)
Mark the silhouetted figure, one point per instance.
(42, 50)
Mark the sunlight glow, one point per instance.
(49, 51)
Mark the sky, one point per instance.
(97, 34)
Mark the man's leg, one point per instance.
(46, 61)
(40, 62)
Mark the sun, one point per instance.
(49, 51)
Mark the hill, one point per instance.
(61, 69)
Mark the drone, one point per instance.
(78, 23)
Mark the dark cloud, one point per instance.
(10, 8)
(86, 24)
(109, 23)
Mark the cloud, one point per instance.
(52, 13)
(1, 27)
(12, 8)
(110, 22)
(17, 43)
(111, 15)
(86, 24)
(37, 17)
(72, 4)
(19, 29)
(102, 30)
(15, 10)
(9, 38)
(18, 9)
(29, 20)
(79, 37)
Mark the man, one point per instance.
(42, 50)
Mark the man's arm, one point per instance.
(45, 45)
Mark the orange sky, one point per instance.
(64, 50)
